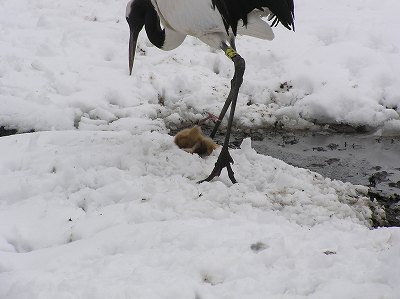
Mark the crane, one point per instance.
(216, 23)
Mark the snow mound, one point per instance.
(83, 171)
(112, 214)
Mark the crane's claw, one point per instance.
(210, 116)
(224, 160)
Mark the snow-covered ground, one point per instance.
(64, 64)
(99, 203)
(115, 215)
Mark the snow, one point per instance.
(67, 60)
(100, 203)
(116, 215)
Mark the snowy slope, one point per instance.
(104, 205)
(64, 65)
(115, 215)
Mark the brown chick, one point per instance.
(193, 141)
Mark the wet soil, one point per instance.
(7, 132)
(358, 158)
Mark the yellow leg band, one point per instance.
(230, 52)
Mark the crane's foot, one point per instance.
(209, 116)
(224, 160)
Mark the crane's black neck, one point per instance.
(154, 32)
(142, 13)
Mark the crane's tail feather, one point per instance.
(281, 11)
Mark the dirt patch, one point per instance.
(7, 132)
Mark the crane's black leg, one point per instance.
(233, 43)
(221, 115)
(224, 158)
(229, 98)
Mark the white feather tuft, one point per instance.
(256, 26)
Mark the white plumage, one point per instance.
(204, 22)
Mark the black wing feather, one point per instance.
(234, 10)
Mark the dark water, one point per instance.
(361, 159)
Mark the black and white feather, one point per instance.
(281, 11)
(211, 21)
